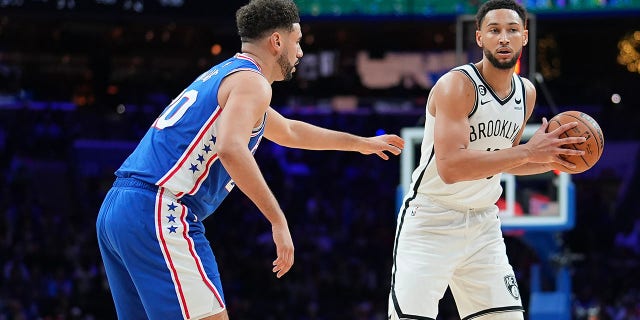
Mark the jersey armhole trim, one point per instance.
(475, 86)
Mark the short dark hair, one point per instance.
(258, 17)
(500, 4)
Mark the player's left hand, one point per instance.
(284, 248)
(381, 144)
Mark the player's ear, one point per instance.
(276, 40)
(525, 37)
(479, 38)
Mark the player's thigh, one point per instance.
(125, 295)
(486, 292)
(181, 260)
(427, 249)
(168, 258)
(485, 283)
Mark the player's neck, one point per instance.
(498, 79)
(255, 57)
(260, 57)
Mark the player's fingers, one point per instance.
(283, 271)
(279, 261)
(559, 130)
(396, 141)
(565, 163)
(392, 139)
(572, 140)
(543, 127)
(570, 152)
(278, 265)
(382, 155)
(284, 267)
(393, 149)
(283, 263)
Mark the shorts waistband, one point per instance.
(453, 206)
(133, 182)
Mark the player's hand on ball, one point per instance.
(587, 128)
(284, 248)
(547, 147)
(381, 144)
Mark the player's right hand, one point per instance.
(546, 147)
(284, 248)
(380, 144)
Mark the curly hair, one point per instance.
(500, 4)
(255, 19)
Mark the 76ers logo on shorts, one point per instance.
(512, 286)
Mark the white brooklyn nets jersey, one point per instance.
(494, 124)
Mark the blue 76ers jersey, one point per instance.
(178, 152)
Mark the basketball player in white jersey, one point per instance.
(157, 259)
(448, 231)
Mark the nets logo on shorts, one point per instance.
(512, 286)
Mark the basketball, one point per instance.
(588, 128)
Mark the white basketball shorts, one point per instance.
(436, 247)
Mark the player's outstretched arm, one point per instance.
(381, 144)
(302, 135)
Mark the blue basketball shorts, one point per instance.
(157, 260)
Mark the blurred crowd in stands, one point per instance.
(71, 110)
(341, 208)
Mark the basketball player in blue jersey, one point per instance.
(448, 230)
(158, 262)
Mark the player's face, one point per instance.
(291, 53)
(502, 64)
(502, 36)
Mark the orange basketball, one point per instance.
(588, 128)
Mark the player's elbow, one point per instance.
(223, 153)
(227, 150)
(449, 174)
(448, 178)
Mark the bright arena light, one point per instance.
(616, 98)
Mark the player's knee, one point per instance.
(504, 316)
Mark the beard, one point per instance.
(285, 66)
(502, 65)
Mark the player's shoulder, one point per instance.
(246, 82)
(242, 69)
(250, 78)
(528, 85)
(455, 79)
